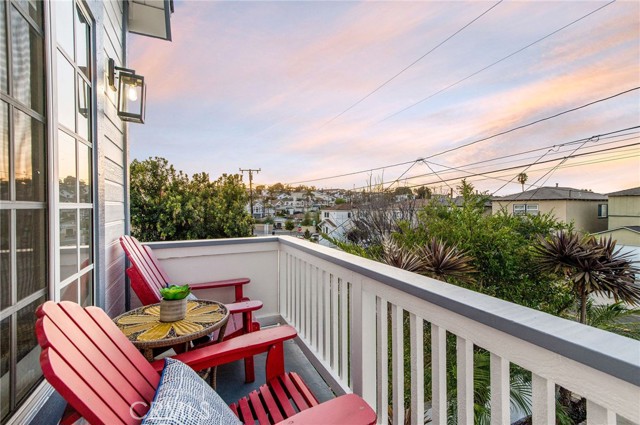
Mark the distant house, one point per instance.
(587, 210)
(624, 217)
(335, 221)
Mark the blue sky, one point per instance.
(260, 84)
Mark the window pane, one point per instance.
(70, 292)
(84, 170)
(33, 8)
(3, 50)
(85, 238)
(4, 151)
(5, 365)
(68, 243)
(67, 167)
(31, 253)
(64, 25)
(84, 109)
(27, 68)
(82, 44)
(86, 289)
(5, 259)
(29, 157)
(66, 90)
(28, 372)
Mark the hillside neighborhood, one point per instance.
(332, 212)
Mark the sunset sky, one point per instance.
(278, 85)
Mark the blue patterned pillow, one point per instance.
(183, 398)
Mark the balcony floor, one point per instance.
(230, 377)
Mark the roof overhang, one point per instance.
(151, 18)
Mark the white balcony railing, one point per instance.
(351, 312)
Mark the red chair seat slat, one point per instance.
(270, 403)
(258, 408)
(245, 412)
(295, 395)
(303, 389)
(281, 397)
(234, 409)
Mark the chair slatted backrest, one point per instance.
(93, 365)
(151, 278)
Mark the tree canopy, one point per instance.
(168, 205)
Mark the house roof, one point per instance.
(553, 193)
(634, 191)
(327, 221)
(634, 229)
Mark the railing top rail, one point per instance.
(211, 242)
(604, 351)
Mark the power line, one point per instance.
(514, 167)
(536, 122)
(470, 143)
(496, 62)
(411, 64)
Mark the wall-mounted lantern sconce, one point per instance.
(131, 92)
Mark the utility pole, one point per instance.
(250, 188)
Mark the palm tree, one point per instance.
(522, 179)
(590, 266)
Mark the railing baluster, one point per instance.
(363, 343)
(295, 291)
(464, 357)
(344, 331)
(307, 302)
(383, 362)
(335, 324)
(544, 400)
(314, 307)
(598, 415)
(417, 368)
(290, 280)
(326, 300)
(500, 397)
(397, 367)
(438, 375)
(284, 285)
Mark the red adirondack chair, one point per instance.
(104, 378)
(147, 277)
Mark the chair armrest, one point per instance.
(244, 306)
(234, 349)
(220, 283)
(237, 283)
(346, 409)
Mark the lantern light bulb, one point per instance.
(132, 93)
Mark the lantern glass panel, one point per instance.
(131, 97)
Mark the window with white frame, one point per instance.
(522, 209)
(73, 59)
(24, 228)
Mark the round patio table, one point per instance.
(145, 330)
